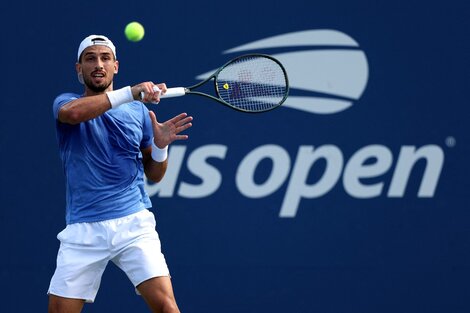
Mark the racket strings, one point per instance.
(254, 83)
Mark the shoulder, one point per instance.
(62, 99)
(68, 96)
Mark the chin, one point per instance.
(97, 87)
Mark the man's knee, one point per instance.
(60, 305)
(158, 293)
(169, 306)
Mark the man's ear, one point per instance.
(78, 68)
(116, 67)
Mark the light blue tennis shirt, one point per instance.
(103, 163)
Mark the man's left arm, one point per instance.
(153, 170)
(154, 157)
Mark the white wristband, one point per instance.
(159, 155)
(120, 96)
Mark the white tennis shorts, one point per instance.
(130, 242)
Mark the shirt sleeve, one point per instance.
(60, 101)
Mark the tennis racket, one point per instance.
(249, 83)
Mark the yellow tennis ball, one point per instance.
(134, 31)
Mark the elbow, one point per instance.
(70, 116)
(155, 178)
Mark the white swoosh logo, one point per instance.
(326, 63)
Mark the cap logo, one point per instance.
(102, 41)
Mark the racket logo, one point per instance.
(235, 92)
(327, 70)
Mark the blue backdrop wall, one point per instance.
(352, 197)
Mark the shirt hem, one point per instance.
(108, 217)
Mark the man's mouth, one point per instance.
(97, 75)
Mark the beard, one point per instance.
(96, 88)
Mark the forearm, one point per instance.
(84, 109)
(87, 108)
(155, 170)
(155, 164)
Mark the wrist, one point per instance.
(120, 96)
(159, 155)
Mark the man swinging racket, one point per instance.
(107, 140)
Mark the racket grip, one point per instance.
(174, 92)
(170, 92)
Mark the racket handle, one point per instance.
(170, 92)
(174, 92)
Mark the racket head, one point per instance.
(252, 83)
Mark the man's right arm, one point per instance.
(87, 108)
(84, 109)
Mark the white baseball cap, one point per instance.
(95, 40)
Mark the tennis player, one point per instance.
(107, 140)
